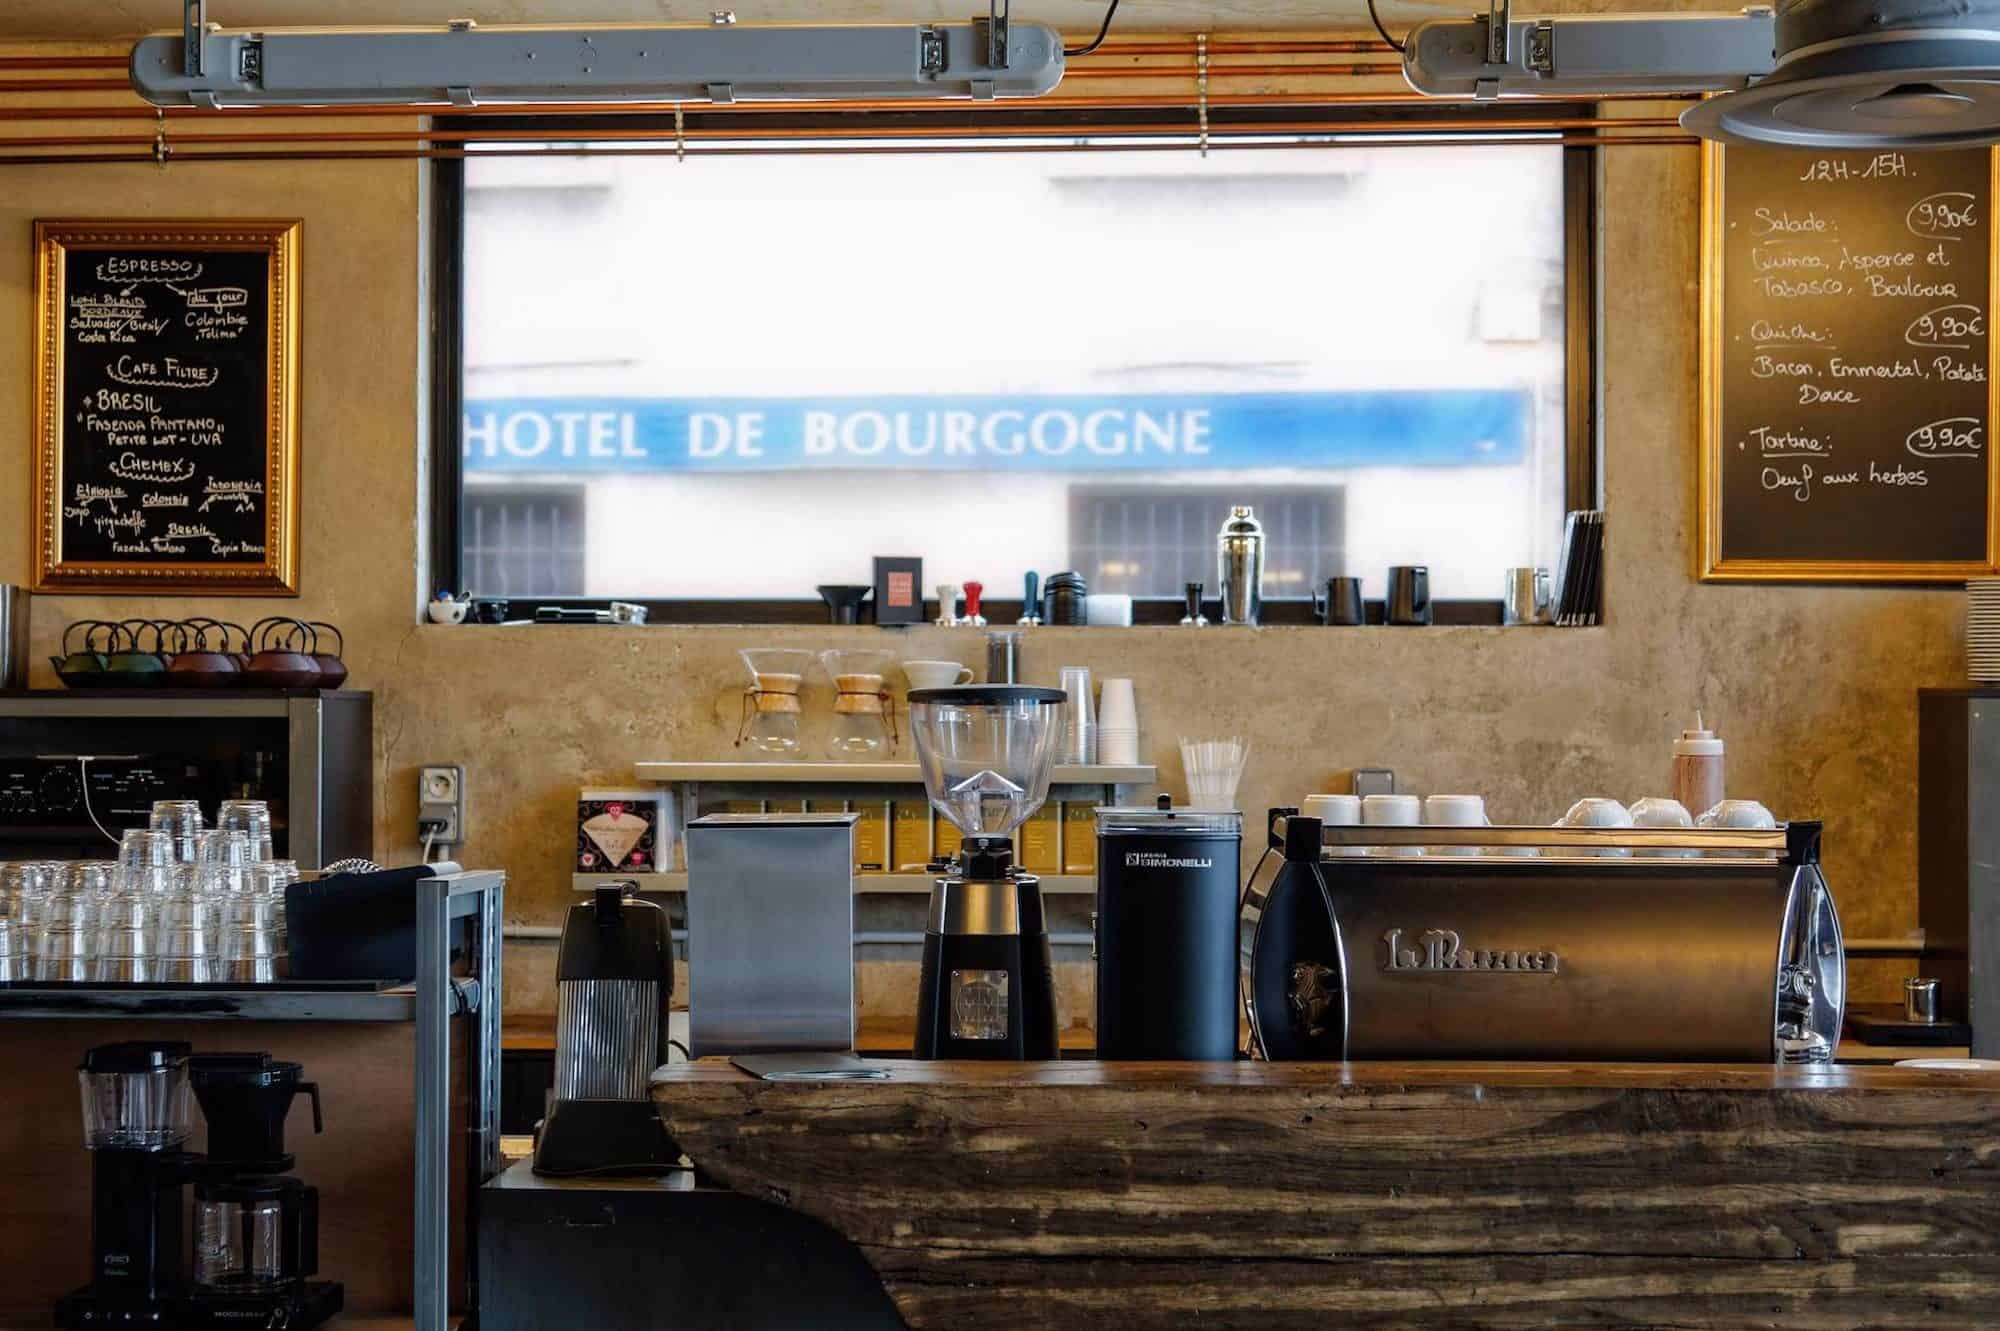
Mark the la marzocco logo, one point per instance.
(1442, 950)
(1153, 859)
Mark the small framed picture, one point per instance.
(623, 831)
(899, 590)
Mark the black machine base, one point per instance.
(603, 1137)
(294, 1307)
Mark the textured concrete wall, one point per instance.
(1812, 687)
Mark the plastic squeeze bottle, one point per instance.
(1697, 778)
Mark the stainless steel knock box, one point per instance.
(770, 932)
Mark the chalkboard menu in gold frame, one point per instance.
(166, 451)
(1847, 395)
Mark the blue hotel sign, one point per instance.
(1188, 431)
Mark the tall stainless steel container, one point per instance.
(13, 637)
(770, 932)
(1239, 566)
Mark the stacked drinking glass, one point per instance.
(182, 904)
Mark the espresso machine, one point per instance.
(256, 1228)
(1697, 945)
(987, 988)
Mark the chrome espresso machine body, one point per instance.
(1541, 944)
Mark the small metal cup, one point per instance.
(1527, 596)
(1920, 1000)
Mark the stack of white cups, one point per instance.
(1117, 724)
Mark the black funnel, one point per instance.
(843, 601)
(245, 1098)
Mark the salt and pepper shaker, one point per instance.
(973, 591)
(947, 593)
(1697, 776)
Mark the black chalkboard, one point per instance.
(1846, 365)
(166, 450)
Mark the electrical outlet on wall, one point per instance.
(441, 804)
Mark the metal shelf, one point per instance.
(905, 774)
(224, 702)
(210, 1004)
(865, 884)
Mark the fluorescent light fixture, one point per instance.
(1820, 74)
(465, 64)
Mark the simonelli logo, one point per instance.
(1153, 859)
(1442, 950)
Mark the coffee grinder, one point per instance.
(987, 988)
(256, 1228)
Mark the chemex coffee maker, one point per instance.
(987, 988)
(256, 1228)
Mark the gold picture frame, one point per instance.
(1711, 563)
(278, 572)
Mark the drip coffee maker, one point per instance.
(770, 725)
(987, 988)
(864, 719)
(256, 1228)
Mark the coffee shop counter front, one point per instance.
(1129, 1196)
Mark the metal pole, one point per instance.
(433, 1092)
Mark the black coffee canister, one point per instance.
(1167, 885)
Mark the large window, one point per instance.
(748, 375)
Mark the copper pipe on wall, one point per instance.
(429, 154)
(140, 111)
(1358, 70)
(63, 62)
(1372, 128)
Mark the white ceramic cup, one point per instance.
(1108, 610)
(1335, 811)
(446, 611)
(1596, 811)
(1117, 709)
(1744, 815)
(936, 674)
(1660, 811)
(1454, 811)
(1393, 811)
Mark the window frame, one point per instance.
(1582, 486)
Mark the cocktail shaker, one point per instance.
(1239, 566)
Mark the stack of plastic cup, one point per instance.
(1117, 724)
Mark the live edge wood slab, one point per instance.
(1132, 1195)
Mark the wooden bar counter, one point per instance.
(1131, 1195)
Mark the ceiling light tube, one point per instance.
(465, 64)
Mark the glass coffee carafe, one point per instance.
(770, 726)
(864, 717)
